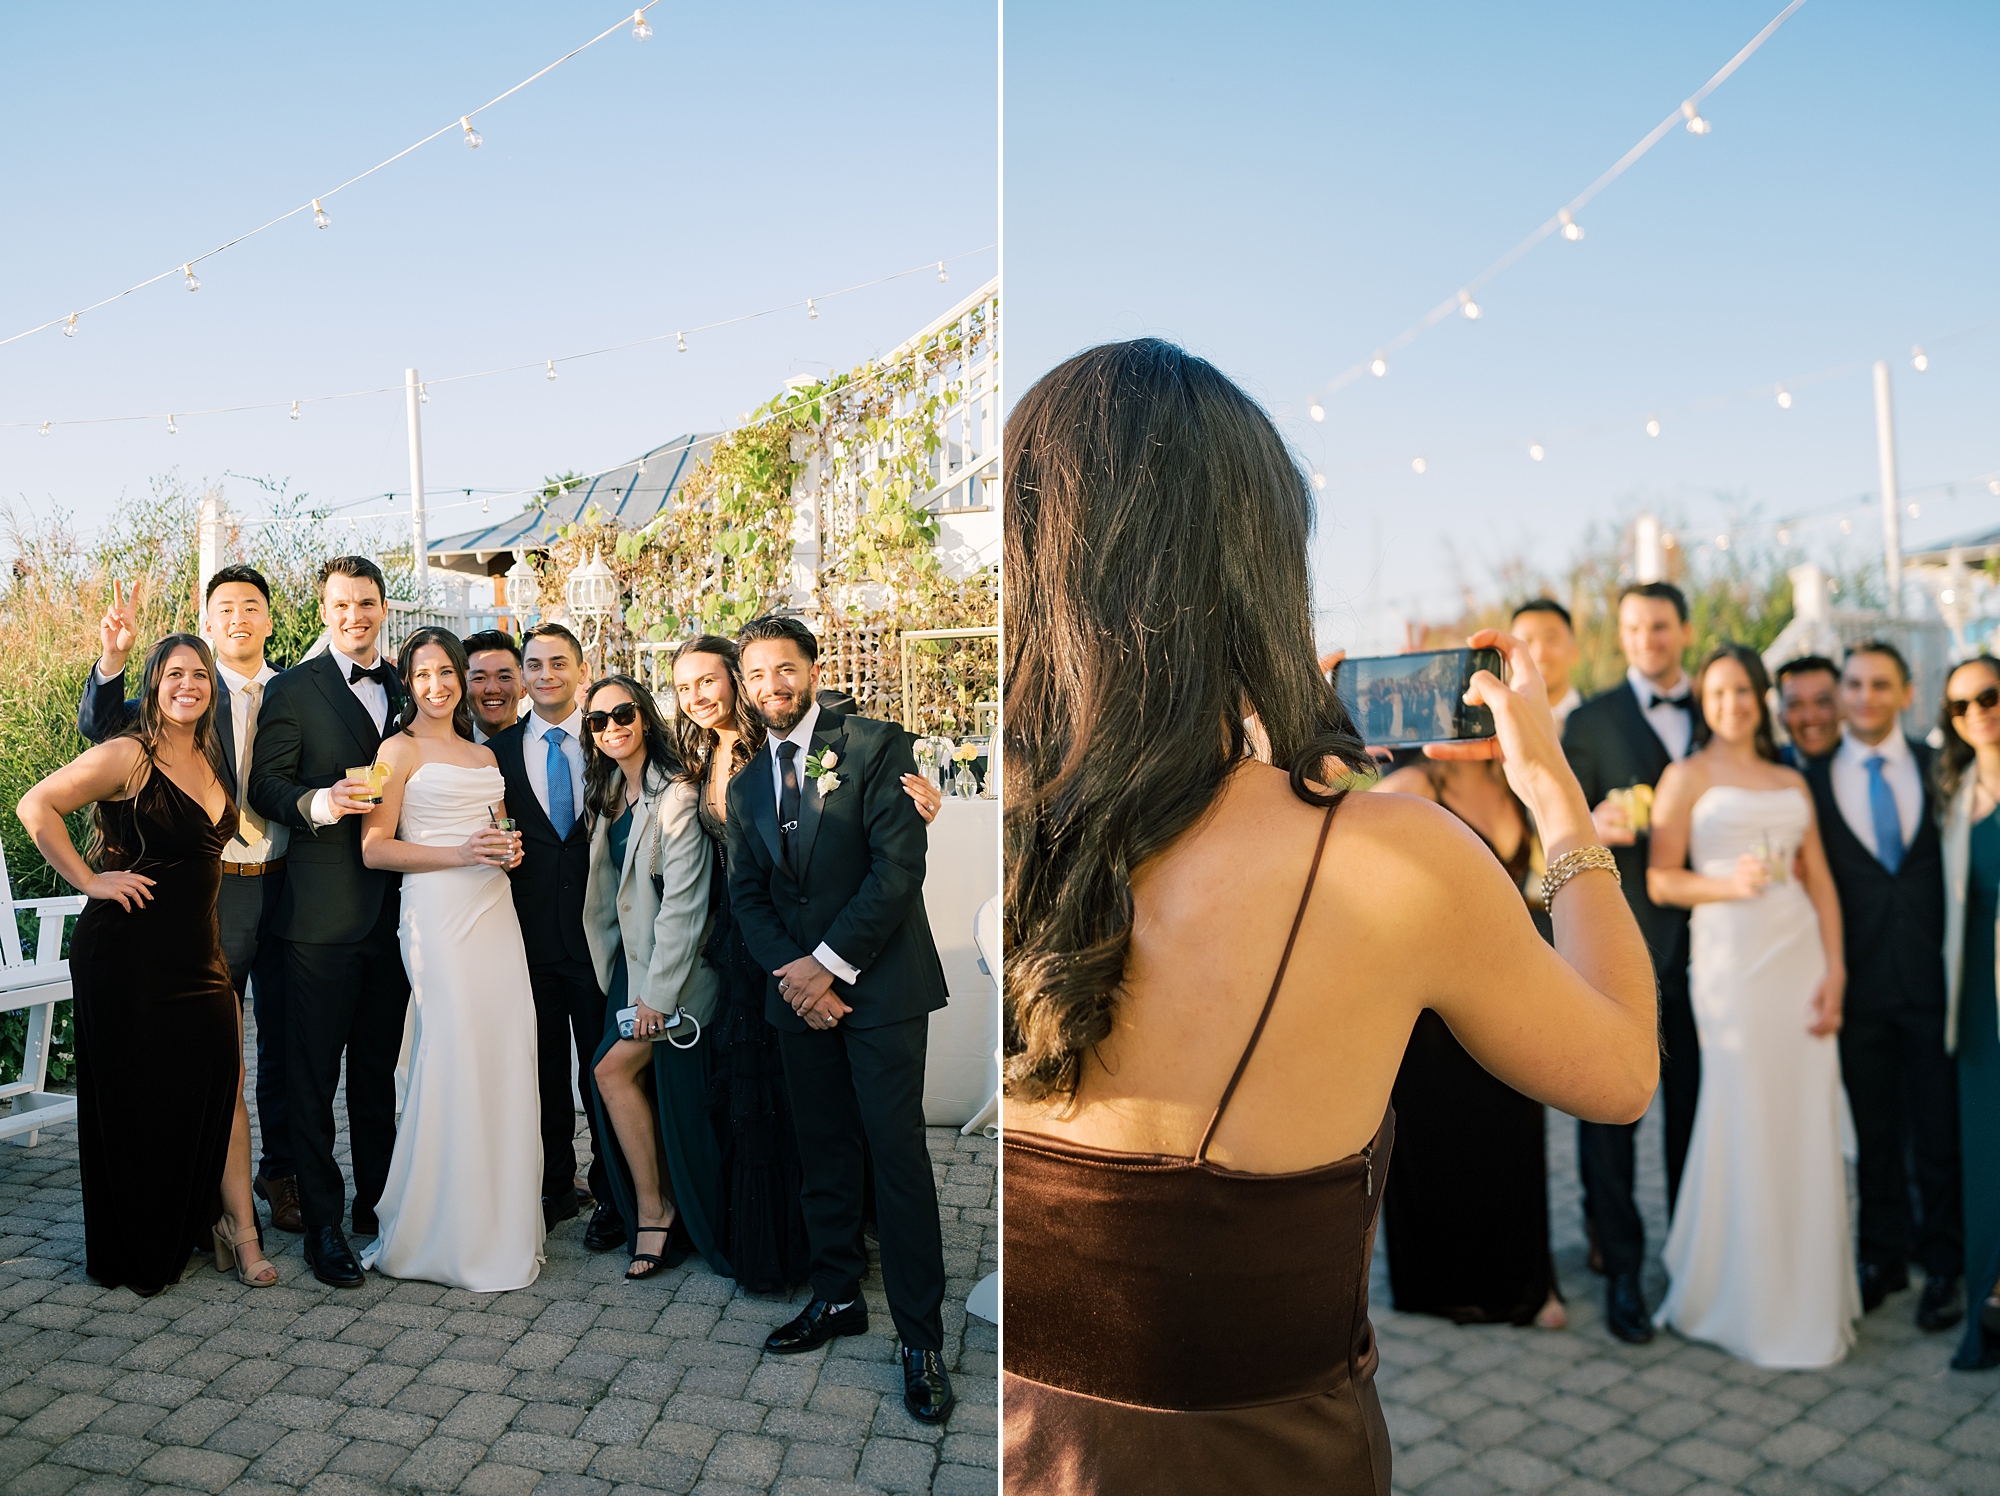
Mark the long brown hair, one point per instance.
(1158, 593)
(149, 726)
(603, 780)
(406, 659)
(698, 743)
(1760, 684)
(1957, 755)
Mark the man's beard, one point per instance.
(782, 721)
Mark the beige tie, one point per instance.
(250, 828)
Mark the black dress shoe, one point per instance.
(1942, 1304)
(1878, 1281)
(606, 1230)
(558, 1208)
(818, 1323)
(366, 1222)
(926, 1389)
(1625, 1309)
(331, 1259)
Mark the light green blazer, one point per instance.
(662, 935)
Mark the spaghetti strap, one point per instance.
(1312, 876)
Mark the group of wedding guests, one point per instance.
(1821, 921)
(720, 912)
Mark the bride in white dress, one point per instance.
(462, 1205)
(1759, 1251)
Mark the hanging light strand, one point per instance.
(313, 205)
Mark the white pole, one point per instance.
(420, 565)
(1885, 455)
(1649, 562)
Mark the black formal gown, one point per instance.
(1466, 1209)
(763, 1225)
(156, 1042)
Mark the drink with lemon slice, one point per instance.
(1637, 803)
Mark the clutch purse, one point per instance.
(679, 1018)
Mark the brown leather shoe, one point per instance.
(282, 1195)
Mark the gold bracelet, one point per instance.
(1577, 860)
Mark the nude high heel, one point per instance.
(227, 1257)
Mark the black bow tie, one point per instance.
(1685, 703)
(381, 674)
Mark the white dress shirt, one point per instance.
(374, 699)
(1672, 725)
(535, 757)
(1850, 785)
(276, 837)
(1570, 702)
(803, 736)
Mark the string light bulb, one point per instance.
(1535, 452)
(473, 139)
(320, 220)
(45, 428)
(1696, 125)
(552, 370)
(486, 506)
(1571, 229)
(1319, 481)
(1919, 358)
(1317, 411)
(1947, 597)
(811, 311)
(192, 283)
(423, 394)
(1847, 527)
(1378, 366)
(1418, 465)
(1992, 484)
(1652, 425)
(1784, 398)
(1468, 306)
(1784, 535)
(1722, 542)
(680, 342)
(69, 327)
(172, 429)
(642, 29)
(942, 277)
(1916, 511)
(295, 410)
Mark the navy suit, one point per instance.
(246, 910)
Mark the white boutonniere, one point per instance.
(820, 767)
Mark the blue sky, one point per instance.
(1283, 187)
(741, 158)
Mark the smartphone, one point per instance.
(1407, 700)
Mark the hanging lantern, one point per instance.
(592, 591)
(524, 586)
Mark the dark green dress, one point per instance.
(689, 1147)
(1979, 1092)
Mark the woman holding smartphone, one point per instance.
(645, 914)
(1215, 957)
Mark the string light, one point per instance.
(1378, 366)
(1722, 542)
(295, 410)
(680, 343)
(1468, 306)
(1784, 398)
(942, 277)
(1847, 527)
(172, 429)
(812, 311)
(1535, 452)
(1318, 411)
(1652, 425)
(45, 427)
(485, 506)
(1571, 229)
(423, 393)
(1916, 511)
(1784, 536)
(1992, 486)
(192, 283)
(1921, 359)
(473, 139)
(1695, 123)
(1418, 465)
(1319, 481)
(69, 327)
(320, 220)
(552, 370)
(642, 29)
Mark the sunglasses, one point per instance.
(1986, 700)
(624, 714)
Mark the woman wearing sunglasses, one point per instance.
(764, 1229)
(645, 914)
(1968, 773)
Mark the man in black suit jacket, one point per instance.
(826, 858)
(1879, 824)
(236, 617)
(1627, 736)
(541, 760)
(346, 989)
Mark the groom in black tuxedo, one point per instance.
(826, 878)
(1878, 821)
(346, 988)
(1627, 736)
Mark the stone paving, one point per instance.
(580, 1385)
(1479, 1409)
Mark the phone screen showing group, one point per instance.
(1407, 700)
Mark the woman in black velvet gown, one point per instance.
(1466, 1209)
(157, 1045)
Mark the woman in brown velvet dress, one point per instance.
(158, 1050)
(1214, 959)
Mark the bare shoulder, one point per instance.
(1408, 780)
(1689, 776)
(121, 763)
(481, 756)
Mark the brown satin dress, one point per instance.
(1177, 1328)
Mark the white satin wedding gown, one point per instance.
(463, 1205)
(1759, 1251)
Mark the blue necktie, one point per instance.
(562, 797)
(1888, 824)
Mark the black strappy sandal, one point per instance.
(655, 1263)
